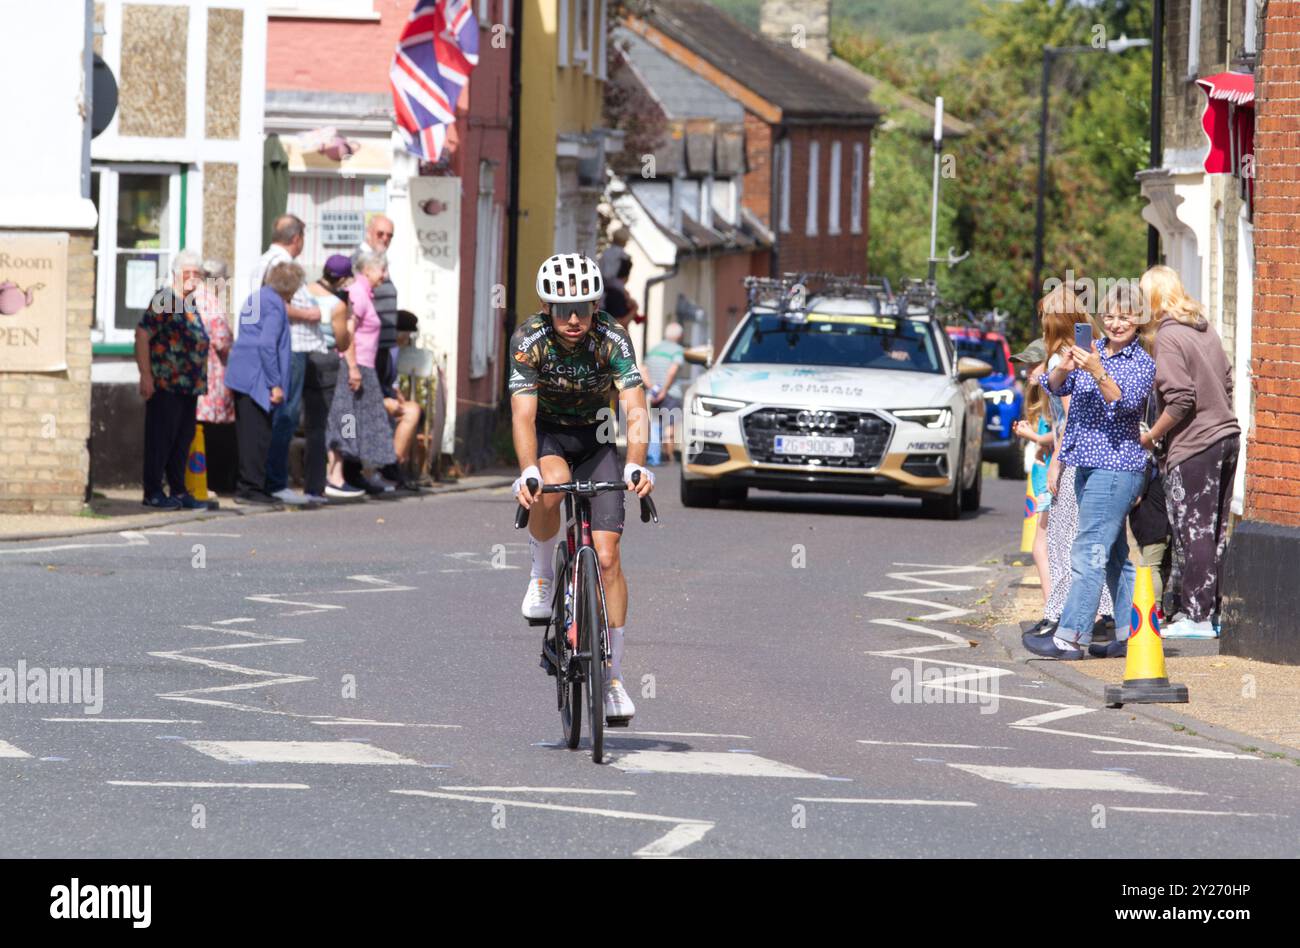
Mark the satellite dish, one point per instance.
(104, 89)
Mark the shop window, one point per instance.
(137, 236)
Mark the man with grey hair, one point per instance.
(171, 352)
(663, 363)
(288, 237)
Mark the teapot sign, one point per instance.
(33, 294)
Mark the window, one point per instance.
(1248, 29)
(814, 171)
(487, 265)
(138, 233)
(1194, 39)
(602, 71)
(833, 211)
(706, 202)
(583, 32)
(783, 158)
(855, 191)
(723, 195)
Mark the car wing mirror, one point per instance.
(968, 368)
(699, 355)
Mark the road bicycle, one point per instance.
(575, 645)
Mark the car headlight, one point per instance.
(1003, 396)
(708, 405)
(930, 417)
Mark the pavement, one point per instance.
(815, 676)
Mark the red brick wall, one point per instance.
(844, 252)
(757, 187)
(334, 55)
(1272, 488)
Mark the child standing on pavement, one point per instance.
(1036, 428)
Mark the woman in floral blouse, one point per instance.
(217, 407)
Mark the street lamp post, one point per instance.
(1050, 53)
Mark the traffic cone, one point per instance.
(196, 470)
(1030, 527)
(1145, 679)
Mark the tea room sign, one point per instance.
(33, 302)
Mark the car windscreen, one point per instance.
(839, 340)
(989, 350)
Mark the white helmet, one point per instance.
(569, 278)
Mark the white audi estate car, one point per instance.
(839, 393)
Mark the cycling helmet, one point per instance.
(569, 278)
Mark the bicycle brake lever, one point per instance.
(648, 511)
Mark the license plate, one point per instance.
(825, 447)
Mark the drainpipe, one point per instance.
(512, 212)
(1157, 111)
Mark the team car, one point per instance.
(846, 390)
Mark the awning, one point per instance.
(1229, 121)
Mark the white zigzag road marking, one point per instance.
(132, 537)
(377, 584)
(987, 672)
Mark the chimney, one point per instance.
(803, 24)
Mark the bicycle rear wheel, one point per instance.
(591, 638)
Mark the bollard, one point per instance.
(196, 470)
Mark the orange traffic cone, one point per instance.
(1145, 679)
(196, 470)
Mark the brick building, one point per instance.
(47, 262)
(807, 132)
(1261, 596)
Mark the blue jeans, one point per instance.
(283, 424)
(1100, 552)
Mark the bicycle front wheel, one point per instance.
(591, 641)
(568, 687)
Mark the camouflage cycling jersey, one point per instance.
(571, 385)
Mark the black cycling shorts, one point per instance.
(588, 460)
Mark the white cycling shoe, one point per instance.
(537, 600)
(618, 704)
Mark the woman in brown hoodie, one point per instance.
(1202, 440)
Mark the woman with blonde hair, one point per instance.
(1108, 384)
(1058, 312)
(1202, 440)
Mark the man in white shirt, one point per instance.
(287, 239)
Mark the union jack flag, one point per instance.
(437, 51)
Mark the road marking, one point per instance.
(93, 720)
(1205, 752)
(708, 763)
(1154, 809)
(926, 744)
(666, 845)
(277, 599)
(8, 750)
(738, 737)
(361, 722)
(612, 793)
(675, 840)
(942, 611)
(886, 802)
(382, 585)
(232, 621)
(1069, 711)
(132, 537)
(1191, 752)
(207, 785)
(1045, 778)
(297, 752)
(182, 533)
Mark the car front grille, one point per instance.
(870, 433)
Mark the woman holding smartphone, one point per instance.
(1108, 381)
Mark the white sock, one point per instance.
(616, 652)
(543, 556)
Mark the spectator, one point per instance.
(171, 352)
(405, 414)
(358, 424)
(287, 239)
(1036, 428)
(663, 364)
(615, 255)
(216, 407)
(1109, 385)
(259, 369)
(329, 294)
(1059, 311)
(379, 237)
(1202, 441)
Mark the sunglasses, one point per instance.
(567, 310)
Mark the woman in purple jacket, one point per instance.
(258, 372)
(1202, 440)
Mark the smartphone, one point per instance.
(1083, 335)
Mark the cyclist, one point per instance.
(564, 362)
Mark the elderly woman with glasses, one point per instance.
(1108, 386)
